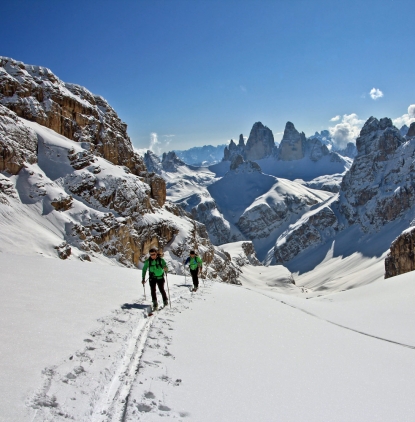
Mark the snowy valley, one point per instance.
(305, 308)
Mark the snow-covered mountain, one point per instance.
(202, 156)
(375, 203)
(72, 186)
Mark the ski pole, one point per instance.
(168, 290)
(144, 287)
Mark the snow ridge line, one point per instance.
(114, 401)
(335, 323)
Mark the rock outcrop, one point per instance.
(232, 150)
(152, 162)
(260, 143)
(292, 146)
(411, 131)
(36, 94)
(350, 150)
(18, 143)
(239, 165)
(379, 186)
(313, 228)
(95, 192)
(401, 257)
(170, 162)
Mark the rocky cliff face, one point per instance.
(86, 194)
(379, 188)
(170, 162)
(18, 143)
(401, 257)
(36, 94)
(260, 143)
(292, 146)
(232, 150)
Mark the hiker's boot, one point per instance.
(155, 306)
(165, 303)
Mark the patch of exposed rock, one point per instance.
(380, 185)
(314, 228)
(379, 188)
(292, 146)
(260, 143)
(152, 162)
(411, 131)
(18, 143)
(401, 257)
(7, 190)
(232, 149)
(239, 165)
(170, 162)
(36, 94)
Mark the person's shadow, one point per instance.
(134, 306)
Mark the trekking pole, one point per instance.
(185, 275)
(144, 287)
(168, 290)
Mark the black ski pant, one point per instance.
(195, 278)
(157, 282)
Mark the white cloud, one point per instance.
(375, 93)
(154, 143)
(335, 118)
(157, 145)
(406, 119)
(347, 130)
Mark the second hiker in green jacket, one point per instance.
(156, 266)
(195, 267)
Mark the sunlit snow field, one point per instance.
(77, 343)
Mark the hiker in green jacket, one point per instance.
(156, 266)
(195, 266)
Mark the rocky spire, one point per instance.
(260, 143)
(292, 144)
(241, 141)
(411, 131)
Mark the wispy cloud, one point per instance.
(347, 130)
(335, 118)
(407, 118)
(375, 93)
(158, 145)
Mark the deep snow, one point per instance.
(77, 343)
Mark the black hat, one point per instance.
(153, 250)
(192, 252)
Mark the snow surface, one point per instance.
(77, 344)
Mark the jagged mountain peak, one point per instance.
(239, 165)
(170, 161)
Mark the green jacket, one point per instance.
(155, 267)
(194, 262)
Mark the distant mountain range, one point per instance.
(202, 156)
(71, 185)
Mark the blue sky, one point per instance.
(191, 73)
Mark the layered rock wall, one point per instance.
(36, 94)
(18, 143)
(292, 145)
(401, 257)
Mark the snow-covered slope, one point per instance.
(375, 203)
(85, 349)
